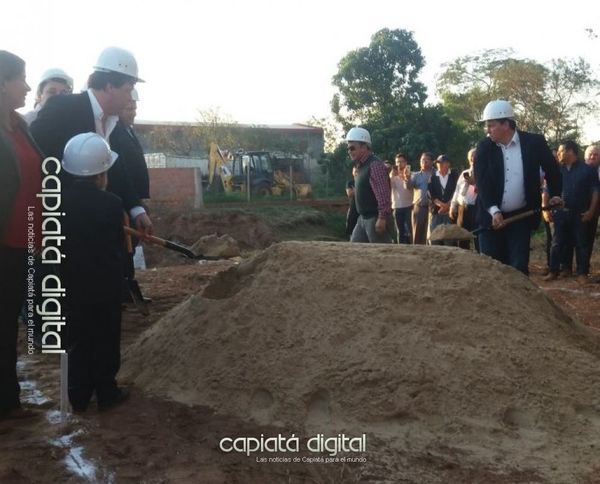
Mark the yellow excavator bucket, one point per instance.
(216, 161)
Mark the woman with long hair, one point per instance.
(20, 219)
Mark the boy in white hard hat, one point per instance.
(91, 273)
(54, 82)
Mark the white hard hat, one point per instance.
(115, 59)
(497, 109)
(87, 154)
(55, 73)
(358, 134)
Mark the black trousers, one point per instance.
(94, 352)
(13, 274)
(466, 220)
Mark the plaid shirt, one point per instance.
(380, 184)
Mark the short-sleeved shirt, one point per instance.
(578, 184)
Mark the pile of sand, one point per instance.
(450, 232)
(429, 350)
(248, 231)
(212, 245)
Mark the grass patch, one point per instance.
(298, 223)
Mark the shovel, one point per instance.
(132, 285)
(514, 218)
(168, 244)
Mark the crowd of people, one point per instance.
(103, 181)
(512, 180)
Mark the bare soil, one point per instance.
(507, 397)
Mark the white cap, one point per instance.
(358, 134)
(87, 154)
(115, 59)
(56, 73)
(498, 109)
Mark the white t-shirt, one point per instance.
(402, 197)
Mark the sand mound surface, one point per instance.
(450, 232)
(432, 351)
(212, 245)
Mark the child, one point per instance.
(92, 272)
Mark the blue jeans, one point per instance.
(404, 224)
(568, 227)
(509, 245)
(365, 231)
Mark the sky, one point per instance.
(271, 62)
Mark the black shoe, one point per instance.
(122, 395)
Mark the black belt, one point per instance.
(514, 212)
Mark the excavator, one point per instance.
(263, 179)
(217, 168)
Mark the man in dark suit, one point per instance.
(441, 190)
(508, 163)
(95, 110)
(125, 143)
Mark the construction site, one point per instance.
(451, 366)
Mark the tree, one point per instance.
(379, 88)
(215, 127)
(380, 78)
(549, 99)
(332, 131)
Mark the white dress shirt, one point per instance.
(104, 130)
(513, 197)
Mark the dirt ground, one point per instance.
(156, 440)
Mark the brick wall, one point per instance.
(173, 186)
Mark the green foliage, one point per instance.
(378, 88)
(337, 168)
(379, 79)
(551, 99)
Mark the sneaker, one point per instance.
(552, 276)
(122, 395)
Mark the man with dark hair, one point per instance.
(580, 192)
(441, 190)
(419, 182)
(402, 198)
(507, 176)
(95, 110)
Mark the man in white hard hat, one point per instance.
(95, 110)
(53, 82)
(507, 176)
(372, 192)
(93, 222)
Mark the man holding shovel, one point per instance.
(507, 177)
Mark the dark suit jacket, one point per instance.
(125, 143)
(436, 191)
(489, 175)
(10, 174)
(92, 270)
(63, 117)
